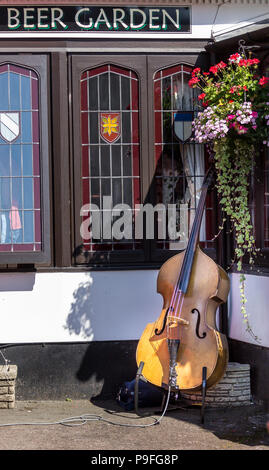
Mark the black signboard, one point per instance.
(95, 18)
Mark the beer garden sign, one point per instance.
(95, 18)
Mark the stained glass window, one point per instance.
(180, 163)
(20, 219)
(110, 147)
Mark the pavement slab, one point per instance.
(39, 425)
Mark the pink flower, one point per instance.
(254, 114)
(242, 130)
(231, 116)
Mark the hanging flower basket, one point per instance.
(233, 123)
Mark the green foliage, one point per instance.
(234, 122)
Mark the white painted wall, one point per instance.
(257, 294)
(99, 306)
(91, 306)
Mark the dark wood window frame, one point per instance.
(40, 65)
(145, 67)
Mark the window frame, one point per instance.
(79, 64)
(191, 60)
(145, 67)
(39, 64)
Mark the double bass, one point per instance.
(184, 340)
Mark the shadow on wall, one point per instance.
(81, 318)
(105, 365)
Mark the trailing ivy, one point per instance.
(234, 122)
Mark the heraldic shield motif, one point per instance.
(183, 125)
(9, 126)
(110, 127)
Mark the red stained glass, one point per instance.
(158, 154)
(158, 127)
(135, 136)
(35, 126)
(20, 202)
(36, 169)
(85, 161)
(170, 71)
(110, 166)
(86, 191)
(135, 104)
(37, 226)
(34, 83)
(172, 172)
(85, 128)
(84, 99)
(4, 68)
(23, 247)
(21, 71)
(122, 71)
(37, 193)
(97, 71)
(84, 75)
(136, 161)
(101, 247)
(137, 198)
(187, 69)
(157, 95)
(5, 248)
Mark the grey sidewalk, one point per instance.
(234, 429)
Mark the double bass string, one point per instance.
(177, 299)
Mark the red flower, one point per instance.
(201, 96)
(231, 101)
(253, 61)
(206, 73)
(193, 80)
(205, 104)
(263, 81)
(243, 63)
(221, 65)
(196, 71)
(233, 89)
(245, 88)
(234, 57)
(213, 69)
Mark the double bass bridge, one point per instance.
(174, 320)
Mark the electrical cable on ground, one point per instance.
(85, 418)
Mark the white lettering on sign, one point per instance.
(98, 18)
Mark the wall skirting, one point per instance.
(83, 370)
(55, 371)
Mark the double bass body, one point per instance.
(201, 344)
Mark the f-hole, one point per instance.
(195, 310)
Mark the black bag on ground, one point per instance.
(148, 395)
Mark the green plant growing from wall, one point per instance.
(234, 123)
